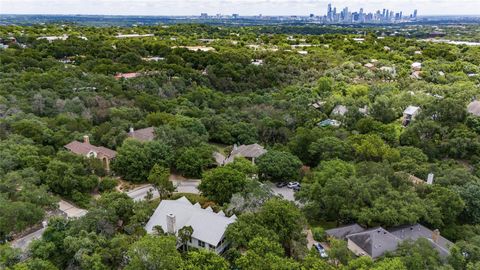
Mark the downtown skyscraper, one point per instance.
(384, 16)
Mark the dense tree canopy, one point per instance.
(326, 119)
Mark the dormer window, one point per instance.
(92, 154)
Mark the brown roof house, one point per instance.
(143, 135)
(91, 151)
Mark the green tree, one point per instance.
(159, 177)
(203, 259)
(185, 235)
(144, 254)
(221, 183)
(285, 219)
(279, 166)
(192, 161)
(8, 256)
(135, 159)
(339, 252)
(419, 255)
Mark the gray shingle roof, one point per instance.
(414, 232)
(247, 151)
(207, 225)
(342, 232)
(376, 242)
(144, 134)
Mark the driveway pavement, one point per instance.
(286, 193)
(183, 185)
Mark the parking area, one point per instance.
(183, 185)
(286, 193)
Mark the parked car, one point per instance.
(297, 188)
(293, 184)
(320, 250)
(281, 184)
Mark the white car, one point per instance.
(321, 250)
(293, 184)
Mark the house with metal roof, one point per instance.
(409, 114)
(208, 227)
(91, 151)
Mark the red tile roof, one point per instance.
(127, 75)
(82, 148)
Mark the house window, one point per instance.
(211, 246)
(221, 242)
(201, 243)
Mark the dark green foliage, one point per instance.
(279, 166)
(135, 159)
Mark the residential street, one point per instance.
(22, 243)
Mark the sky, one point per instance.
(242, 7)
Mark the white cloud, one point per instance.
(245, 7)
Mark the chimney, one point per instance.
(131, 131)
(435, 235)
(430, 178)
(171, 224)
(86, 139)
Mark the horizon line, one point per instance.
(197, 15)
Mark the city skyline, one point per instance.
(242, 7)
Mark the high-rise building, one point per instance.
(347, 16)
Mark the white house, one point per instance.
(339, 110)
(416, 66)
(208, 227)
(409, 114)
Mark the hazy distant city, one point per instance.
(334, 15)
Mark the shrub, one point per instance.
(318, 234)
(107, 184)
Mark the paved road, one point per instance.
(183, 186)
(22, 243)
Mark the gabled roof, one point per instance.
(219, 158)
(414, 232)
(474, 107)
(82, 148)
(375, 242)
(144, 134)
(207, 225)
(411, 110)
(342, 232)
(247, 151)
(339, 110)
